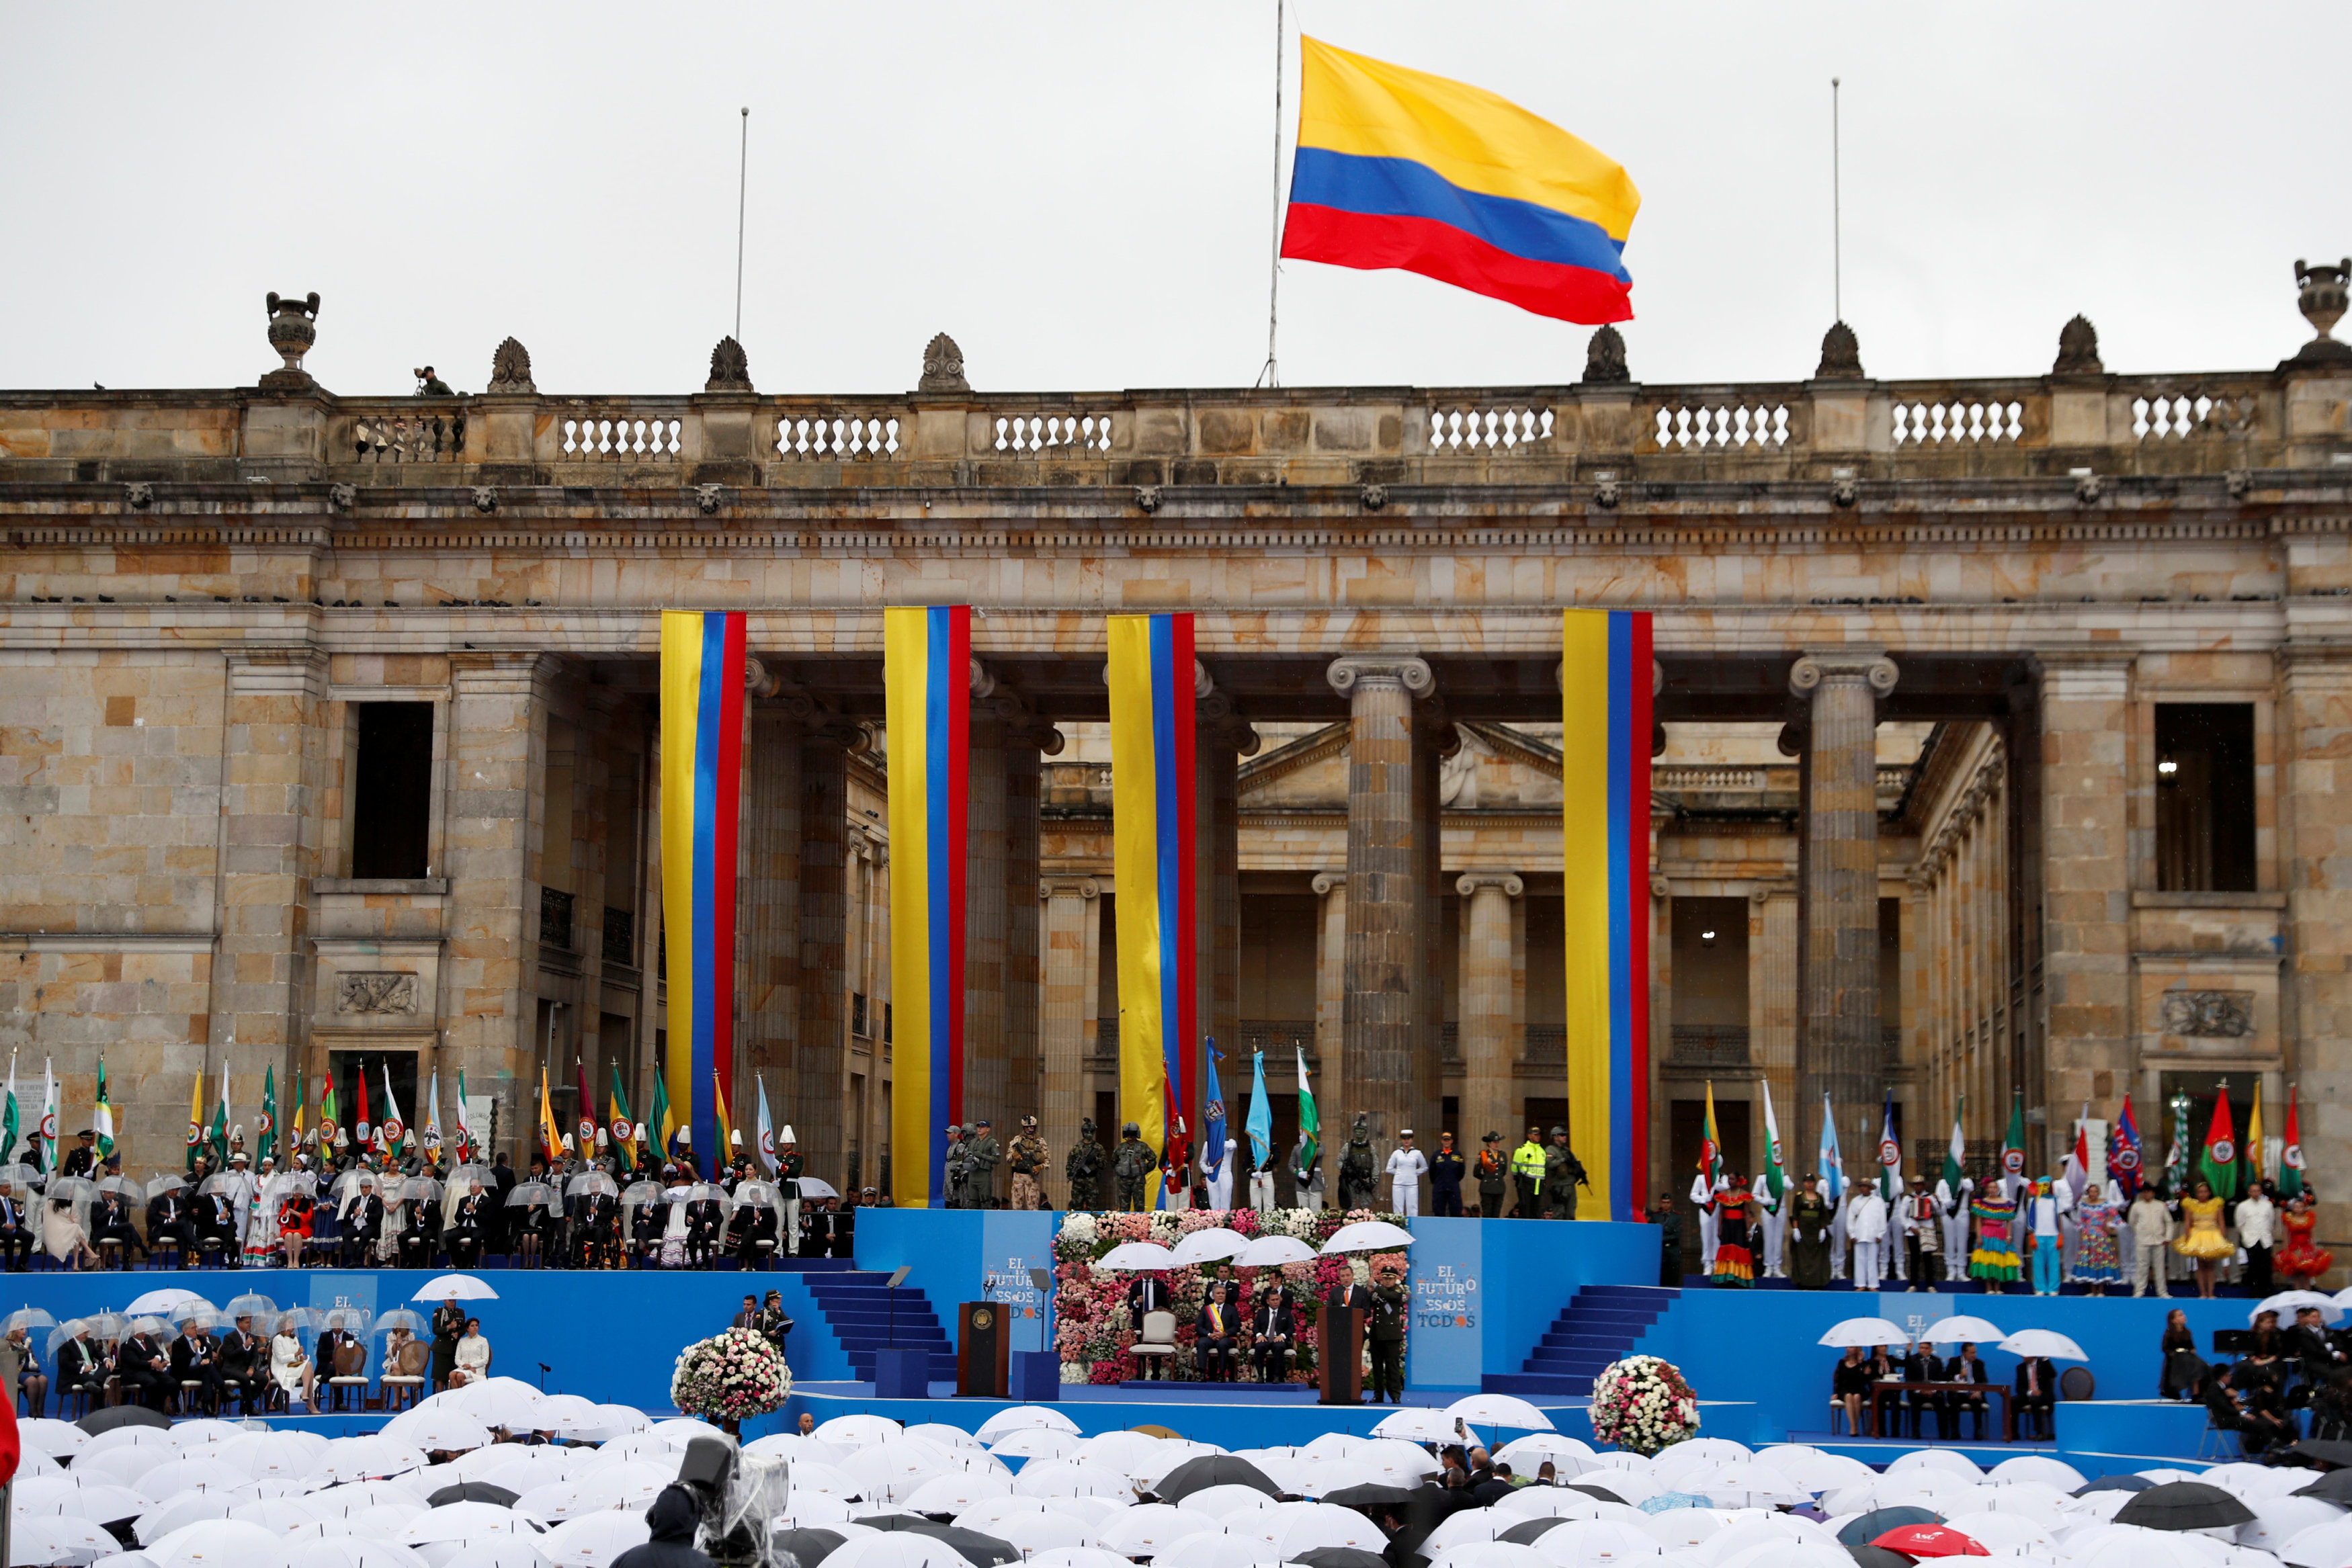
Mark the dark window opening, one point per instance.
(555, 918)
(391, 778)
(858, 1014)
(2205, 796)
(620, 936)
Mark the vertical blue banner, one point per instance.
(1443, 1341)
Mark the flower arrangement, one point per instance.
(1093, 1325)
(730, 1377)
(1642, 1404)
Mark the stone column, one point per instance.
(1772, 1001)
(2315, 794)
(1331, 985)
(821, 1044)
(271, 769)
(496, 816)
(769, 921)
(987, 1062)
(2086, 866)
(1838, 1050)
(1435, 738)
(1382, 1012)
(1489, 958)
(1027, 740)
(1072, 913)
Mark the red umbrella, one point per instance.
(1931, 1541)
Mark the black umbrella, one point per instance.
(2113, 1483)
(1341, 1557)
(979, 1551)
(2327, 1451)
(1371, 1494)
(1868, 1556)
(1525, 1532)
(2184, 1505)
(1865, 1528)
(472, 1491)
(106, 1420)
(896, 1521)
(1589, 1489)
(1206, 1470)
(2335, 1486)
(806, 1547)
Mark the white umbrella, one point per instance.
(905, 1549)
(352, 1501)
(501, 1401)
(1073, 1557)
(1526, 1453)
(2040, 1467)
(1132, 1255)
(284, 1454)
(857, 1431)
(1468, 1525)
(1789, 1554)
(498, 1552)
(1742, 1485)
(128, 1437)
(1367, 1236)
(1771, 1529)
(2005, 1534)
(1815, 1470)
(172, 1513)
(1681, 1529)
(1696, 1453)
(2045, 1342)
(1419, 1424)
(953, 1493)
(680, 1430)
(1499, 1409)
(1028, 1532)
(2327, 1545)
(1866, 1333)
(2286, 1303)
(1214, 1245)
(123, 1467)
(352, 1551)
(593, 1539)
(1035, 1443)
(46, 1435)
(368, 1459)
(41, 1541)
(938, 1432)
(465, 1287)
(177, 1476)
(1273, 1252)
(1225, 1499)
(1959, 1329)
(1023, 1418)
(2247, 1481)
(466, 1521)
(991, 1511)
(2128, 1546)
(1586, 1542)
(218, 1544)
(1393, 1460)
(1948, 1460)
(1292, 1527)
(163, 1300)
(203, 1432)
(446, 1429)
(1490, 1554)
(2033, 1499)
(1137, 1455)
(2279, 1520)
(1143, 1531)
(1537, 1502)
(1095, 1511)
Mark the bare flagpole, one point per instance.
(1837, 217)
(1270, 375)
(743, 190)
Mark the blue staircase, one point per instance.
(860, 1312)
(1598, 1325)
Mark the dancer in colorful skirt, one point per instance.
(1995, 1258)
(1735, 1231)
(2099, 1260)
(2202, 1240)
(2299, 1260)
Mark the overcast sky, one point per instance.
(1081, 193)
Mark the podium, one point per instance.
(1342, 1352)
(983, 1347)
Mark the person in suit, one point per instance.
(15, 1237)
(2248, 1412)
(2037, 1395)
(1966, 1367)
(1214, 1335)
(447, 1324)
(362, 1226)
(243, 1360)
(1274, 1334)
(109, 1220)
(1923, 1365)
(748, 1318)
(195, 1358)
(216, 1222)
(1384, 1333)
(467, 1229)
(80, 1365)
(706, 1221)
(144, 1369)
(332, 1341)
(2320, 1357)
(172, 1218)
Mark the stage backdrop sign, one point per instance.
(1445, 1340)
(1011, 1242)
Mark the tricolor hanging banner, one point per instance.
(1151, 793)
(1605, 694)
(701, 792)
(927, 684)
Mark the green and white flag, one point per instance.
(1310, 1124)
(2176, 1161)
(102, 1117)
(9, 1118)
(1776, 1175)
(220, 1125)
(266, 1145)
(466, 1145)
(1956, 1153)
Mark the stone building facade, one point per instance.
(2000, 725)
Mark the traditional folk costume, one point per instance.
(2099, 1260)
(1735, 1258)
(1995, 1258)
(2300, 1260)
(2204, 1240)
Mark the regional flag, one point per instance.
(2289, 1176)
(102, 1117)
(1397, 168)
(2219, 1165)
(1955, 1154)
(2124, 1154)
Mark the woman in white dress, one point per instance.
(261, 1223)
(63, 1236)
(473, 1355)
(289, 1366)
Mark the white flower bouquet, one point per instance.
(730, 1377)
(1642, 1404)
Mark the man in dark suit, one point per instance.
(468, 1224)
(243, 1359)
(333, 1339)
(706, 1222)
(1274, 1334)
(195, 1358)
(816, 1238)
(171, 1218)
(2037, 1394)
(753, 1223)
(1966, 1367)
(15, 1241)
(216, 1222)
(1923, 1365)
(144, 1369)
(80, 1365)
(363, 1225)
(845, 1225)
(109, 1220)
(1214, 1335)
(748, 1318)
(420, 1237)
(2310, 1343)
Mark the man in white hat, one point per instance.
(239, 1185)
(789, 1166)
(1406, 1166)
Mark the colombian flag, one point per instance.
(1396, 168)
(701, 792)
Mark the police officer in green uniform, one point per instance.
(1563, 1174)
(1384, 1333)
(985, 1156)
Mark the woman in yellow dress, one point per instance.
(2202, 1240)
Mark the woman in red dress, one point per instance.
(2299, 1260)
(294, 1224)
(1735, 1230)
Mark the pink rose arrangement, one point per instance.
(730, 1377)
(1642, 1404)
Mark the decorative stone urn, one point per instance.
(292, 334)
(2322, 295)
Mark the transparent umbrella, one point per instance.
(637, 1193)
(400, 1318)
(27, 1318)
(761, 1192)
(596, 1182)
(16, 1174)
(529, 1193)
(132, 1192)
(252, 1304)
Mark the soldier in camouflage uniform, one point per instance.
(1563, 1173)
(1084, 1167)
(959, 1168)
(1029, 1163)
(1131, 1165)
(1356, 1168)
(985, 1157)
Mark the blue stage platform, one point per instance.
(1518, 1306)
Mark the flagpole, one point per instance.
(742, 200)
(1837, 214)
(1270, 376)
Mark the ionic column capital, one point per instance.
(1373, 670)
(1843, 666)
(1327, 883)
(1051, 888)
(1509, 881)
(982, 680)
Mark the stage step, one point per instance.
(866, 1317)
(1598, 1325)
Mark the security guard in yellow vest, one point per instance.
(1528, 1167)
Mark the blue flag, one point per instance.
(1212, 1153)
(1261, 1116)
(1832, 1165)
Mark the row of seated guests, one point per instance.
(153, 1369)
(1224, 1333)
(2278, 1372)
(2033, 1393)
